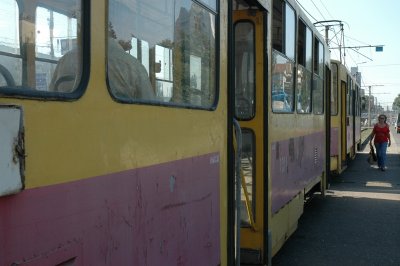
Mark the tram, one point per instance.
(117, 140)
(345, 117)
(282, 81)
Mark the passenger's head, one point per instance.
(382, 117)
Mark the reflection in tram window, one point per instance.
(10, 62)
(304, 69)
(244, 71)
(282, 83)
(175, 43)
(56, 39)
(62, 45)
(318, 80)
(164, 72)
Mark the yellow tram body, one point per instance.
(284, 133)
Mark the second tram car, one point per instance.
(345, 117)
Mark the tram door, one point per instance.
(249, 111)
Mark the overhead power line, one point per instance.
(380, 65)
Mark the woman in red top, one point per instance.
(381, 136)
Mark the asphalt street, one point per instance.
(356, 223)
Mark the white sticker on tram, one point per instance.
(214, 159)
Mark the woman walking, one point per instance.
(381, 137)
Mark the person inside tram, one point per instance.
(67, 74)
(127, 77)
(381, 137)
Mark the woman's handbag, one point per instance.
(372, 158)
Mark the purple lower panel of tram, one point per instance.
(166, 214)
(294, 164)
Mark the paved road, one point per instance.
(357, 223)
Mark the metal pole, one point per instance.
(238, 162)
(369, 107)
(327, 35)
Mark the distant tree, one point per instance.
(396, 103)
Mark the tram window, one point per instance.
(301, 44)
(49, 33)
(10, 61)
(282, 83)
(172, 47)
(283, 44)
(344, 91)
(277, 26)
(351, 95)
(357, 105)
(304, 70)
(244, 70)
(318, 58)
(358, 101)
(334, 90)
(290, 33)
(248, 166)
(318, 86)
(283, 28)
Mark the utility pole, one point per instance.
(369, 102)
(369, 106)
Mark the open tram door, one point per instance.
(249, 26)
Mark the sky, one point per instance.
(365, 23)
